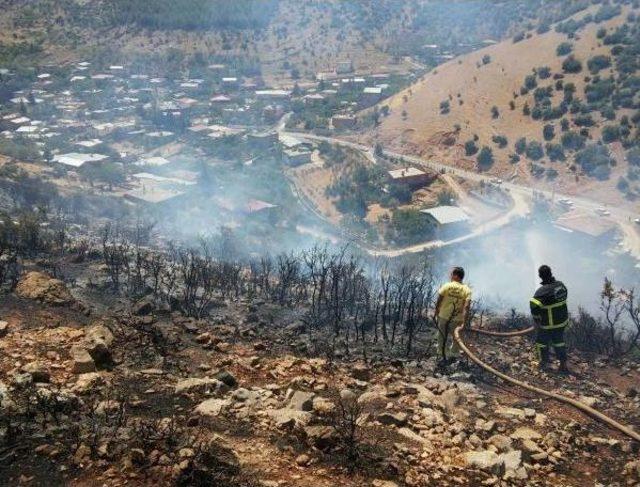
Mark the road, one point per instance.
(522, 196)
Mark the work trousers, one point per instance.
(551, 338)
(447, 345)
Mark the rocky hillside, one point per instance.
(100, 390)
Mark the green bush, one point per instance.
(535, 151)
(485, 158)
(571, 65)
(564, 48)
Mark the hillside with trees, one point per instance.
(555, 104)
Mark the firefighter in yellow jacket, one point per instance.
(551, 315)
(452, 309)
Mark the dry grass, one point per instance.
(423, 129)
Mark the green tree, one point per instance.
(485, 158)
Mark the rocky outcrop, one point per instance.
(43, 288)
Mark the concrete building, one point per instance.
(296, 157)
(342, 122)
(411, 177)
(447, 220)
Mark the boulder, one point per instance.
(37, 370)
(143, 307)
(226, 378)
(486, 460)
(300, 400)
(288, 418)
(501, 442)
(43, 288)
(199, 385)
(87, 382)
(321, 437)
(98, 340)
(525, 433)
(395, 419)
(81, 360)
(212, 407)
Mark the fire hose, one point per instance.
(558, 397)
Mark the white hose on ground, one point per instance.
(558, 397)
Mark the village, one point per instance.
(161, 144)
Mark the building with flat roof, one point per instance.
(589, 225)
(411, 177)
(75, 159)
(447, 220)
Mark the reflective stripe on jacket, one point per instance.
(549, 306)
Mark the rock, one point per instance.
(383, 483)
(486, 460)
(512, 460)
(43, 288)
(632, 469)
(226, 378)
(395, 419)
(212, 407)
(347, 395)
(361, 372)
(87, 382)
(530, 447)
(323, 406)
(449, 399)
(321, 437)
(303, 460)
(81, 360)
(98, 340)
(525, 433)
(143, 307)
(501, 442)
(510, 412)
(4, 328)
(485, 426)
(5, 400)
(300, 400)
(105, 407)
(372, 397)
(37, 370)
(288, 418)
(199, 385)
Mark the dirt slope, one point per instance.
(415, 124)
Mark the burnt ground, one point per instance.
(415, 425)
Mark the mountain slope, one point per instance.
(454, 103)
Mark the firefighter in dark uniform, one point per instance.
(550, 312)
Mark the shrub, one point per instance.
(518, 37)
(573, 141)
(530, 82)
(544, 72)
(555, 152)
(495, 113)
(500, 140)
(571, 65)
(598, 63)
(610, 133)
(633, 156)
(521, 145)
(595, 160)
(470, 148)
(548, 132)
(485, 158)
(535, 151)
(445, 107)
(564, 49)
